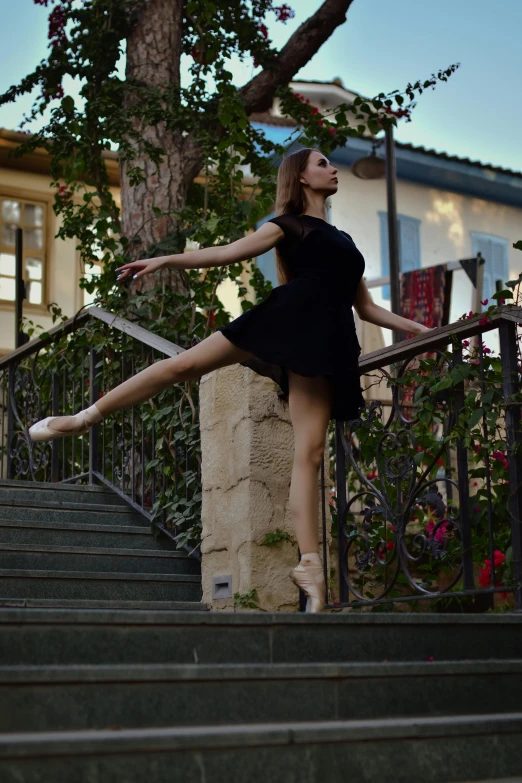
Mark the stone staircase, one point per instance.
(106, 676)
(65, 545)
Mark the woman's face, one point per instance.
(319, 174)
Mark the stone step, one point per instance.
(517, 779)
(85, 603)
(53, 558)
(91, 514)
(67, 533)
(59, 493)
(57, 697)
(103, 586)
(409, 750)
(41, 636)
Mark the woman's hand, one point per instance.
(142, 267)
(421, 329)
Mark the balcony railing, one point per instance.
(403, 533)
(134, 452)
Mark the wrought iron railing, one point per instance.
(128, 451)
(384, 553)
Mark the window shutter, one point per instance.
(409, 244)
(409, 247)
(495, 252)
(267, 261)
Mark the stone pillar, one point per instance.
(247, 445)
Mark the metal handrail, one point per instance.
(127, 327)
(11, 361)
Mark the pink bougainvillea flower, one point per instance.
(284, 12)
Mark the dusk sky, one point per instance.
(382, 46)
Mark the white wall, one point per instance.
(447, 220)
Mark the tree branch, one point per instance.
(258, 94)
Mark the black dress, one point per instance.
(307, 324)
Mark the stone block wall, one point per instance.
(247, 447)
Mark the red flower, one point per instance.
(499, 558)
(284, 12)
(484, 321)
(320, 122)
(485, 302)
(390, 545)
(263, 30)
(211, 319)
(484, 577)
(332, 130)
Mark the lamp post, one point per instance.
(372, 167)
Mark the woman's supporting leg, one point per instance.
(310, 401)
(211, 353)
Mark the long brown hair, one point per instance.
(290, 198)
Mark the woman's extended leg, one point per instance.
(310, 401)
(211, 353)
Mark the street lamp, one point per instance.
(372, 167)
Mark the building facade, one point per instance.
(449, 208)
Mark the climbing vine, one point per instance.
(231, 165)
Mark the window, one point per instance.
(409, 247)
(267, 261)
(29, 216)
(91, 273)
(495, 253)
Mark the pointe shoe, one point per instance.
(310, 579)
(84, 421)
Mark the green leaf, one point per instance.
(68, 104)
(475, 417)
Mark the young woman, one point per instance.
(302, 335)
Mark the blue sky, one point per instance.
(382, 46)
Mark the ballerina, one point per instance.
(302, 336)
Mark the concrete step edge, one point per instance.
(82, 526)
(106, 741)
(7, 573)
(176, 554)
(107, 605)
(197, 672)
(55, 485)
(271, 619)
(57, 506)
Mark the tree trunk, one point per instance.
(153, 60)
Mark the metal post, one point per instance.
(340, 486)
(55, 402)
(393, 233)
(94, 431)
(508, 353)
(10, 417)
(19, 288)
(463, 484)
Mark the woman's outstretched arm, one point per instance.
(250, 246)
